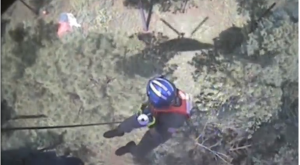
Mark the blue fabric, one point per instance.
(63, 17)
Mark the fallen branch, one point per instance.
(239, 148)
(216, 144)
(217, 154)
(201, 134)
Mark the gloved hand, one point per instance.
(144, 106)
(145, 116)
(143, 119)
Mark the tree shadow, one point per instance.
(159, 50)
(230, 40)
(28, 40)
(228, 45)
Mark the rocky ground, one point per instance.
(98, 73)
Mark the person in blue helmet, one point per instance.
(166, 110)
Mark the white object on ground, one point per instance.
(69, 18)
(73, 20)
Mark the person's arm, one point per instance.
(145, 116)
(142, 118)
(129, 124)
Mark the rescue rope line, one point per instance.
(57, 127)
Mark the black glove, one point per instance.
(144, 106)
(146, 111)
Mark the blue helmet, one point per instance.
(161, 92)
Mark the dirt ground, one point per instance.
(113, 17)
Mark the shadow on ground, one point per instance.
(33, 157)
(153, 58)
(52, 144)
(231, 39)
(227, 45)
(5, 5)
(28, 40)
(159, 50)
(7, 112)
(268, 139)
(4, 24)
(164, 5)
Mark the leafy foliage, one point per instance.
(248, 100)
(246, 89)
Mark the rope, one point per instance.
(57, 127)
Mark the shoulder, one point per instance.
(183, 94)
(189, 100)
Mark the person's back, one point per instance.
(167, 121)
